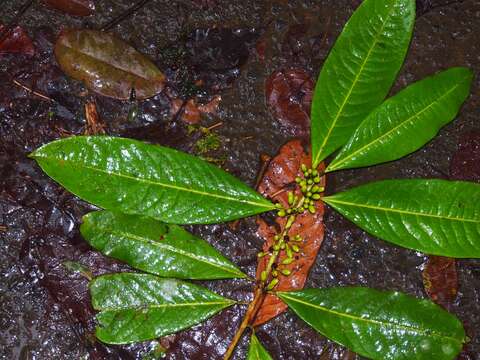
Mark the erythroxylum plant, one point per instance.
(146, 190)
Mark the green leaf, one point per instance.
(107, 65)
(379, 325)
(407, 121)
(436, 217)
(137, 178)
(359, 71)
(256, 351)
(152, 246)
(138, 307)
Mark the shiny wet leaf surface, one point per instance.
(137, 178)
(136, 307)
(380, 325)
(161, 249)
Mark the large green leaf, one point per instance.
(138, 178)
(137, 307)
(256, 351)
(359, 71)
(107, 64)
(437, 217)
(380, 325)
(152, 246)
(405, 122)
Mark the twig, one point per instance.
(265, 159)
(130, 11)
(214, 126)
(14, 22)
(252, 311)
(36, 93)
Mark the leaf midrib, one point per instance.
(350, 91)
(406, 212)
(376, 322)
(170, 186)
(402, 124)
(159, 306)
(167, 247)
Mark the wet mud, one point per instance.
(45, 311)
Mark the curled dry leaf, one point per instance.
(440, 280)
(107, 65)
(73, 7)
(192, 111)
(280, 174)
(16, 42)
(289, 94)
(94, 125)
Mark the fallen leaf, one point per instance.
(289, 95)
(107, 65)
(17, 41)
(440, 280)
(192, 111)
(94, 125)
(280, 174)
(73, 7)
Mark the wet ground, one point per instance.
(44, 307)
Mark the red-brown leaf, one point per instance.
(440, 280)
(282, 171)
(16, 42)
(73, 7)
(289, 94)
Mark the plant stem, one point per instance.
(262, 287)
(252, 310)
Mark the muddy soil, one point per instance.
(44, 308)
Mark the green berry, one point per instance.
(295, 248)
(287, 261)
(263, 275)
(311, 208)
(290, 198)
(298, 179)
(272, 284)
(281, 213)
(285, 272)
(289, 252)
(314, 172)
(316, 179)
(316, 197)
(309, 182)
(304, 167)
